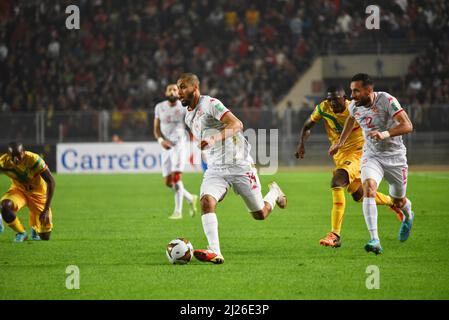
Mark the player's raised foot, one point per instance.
(21, 237)
(208, 256)
(193, 206)
(34, 235)
(281, 200)
(374, 246)
(399, 214)
(406, 227)
(331, 240)
(175, 216)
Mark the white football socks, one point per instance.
(407, 210)
(210, 227)
(180, 194)
(178, 198)
(185, 193)
(370, 213)
(271, 197)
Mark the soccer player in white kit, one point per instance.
(228, 160)
(170, 132)
(383, 122)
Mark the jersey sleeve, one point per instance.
(38, 165)
(156, 112)
(316, 115)
(393, 106)
(351, 109)
(217, 109)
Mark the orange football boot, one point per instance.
(208, 256)
(331, 240)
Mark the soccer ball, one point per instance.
(179, 251)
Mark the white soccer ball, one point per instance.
(179, 251)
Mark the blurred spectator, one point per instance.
(245, 52)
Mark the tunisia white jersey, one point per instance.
(379, 117)
(205, 121)
(172, 120)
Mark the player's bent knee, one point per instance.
(340, 179)
(7, 209)
(7, 205)
(369, 188)
(208, 204)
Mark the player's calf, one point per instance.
(357, 196)
(169, 182)
(262, 214)
(399, 202)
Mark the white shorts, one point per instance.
(174, 159)
(243, 179)
(394, 169)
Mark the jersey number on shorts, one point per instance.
(252, 180)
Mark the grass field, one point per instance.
(115, 229)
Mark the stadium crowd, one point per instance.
(247, 53)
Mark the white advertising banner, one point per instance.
(127, 157)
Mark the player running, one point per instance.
(32, 186)
(229, 163)
(383, 122)
(334, 112)
(170, 132)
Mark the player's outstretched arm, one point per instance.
(232, 126)
(303, 136)
(51, 184)
(349, 126)
(405, 126)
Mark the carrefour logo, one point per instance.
(72, 159)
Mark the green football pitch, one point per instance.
(114, 228)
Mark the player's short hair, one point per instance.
(337, 89)
(190, 78)
(14, 145)
(366, 79)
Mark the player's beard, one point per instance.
(365, 101)
(172, 98)
(188, 99)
